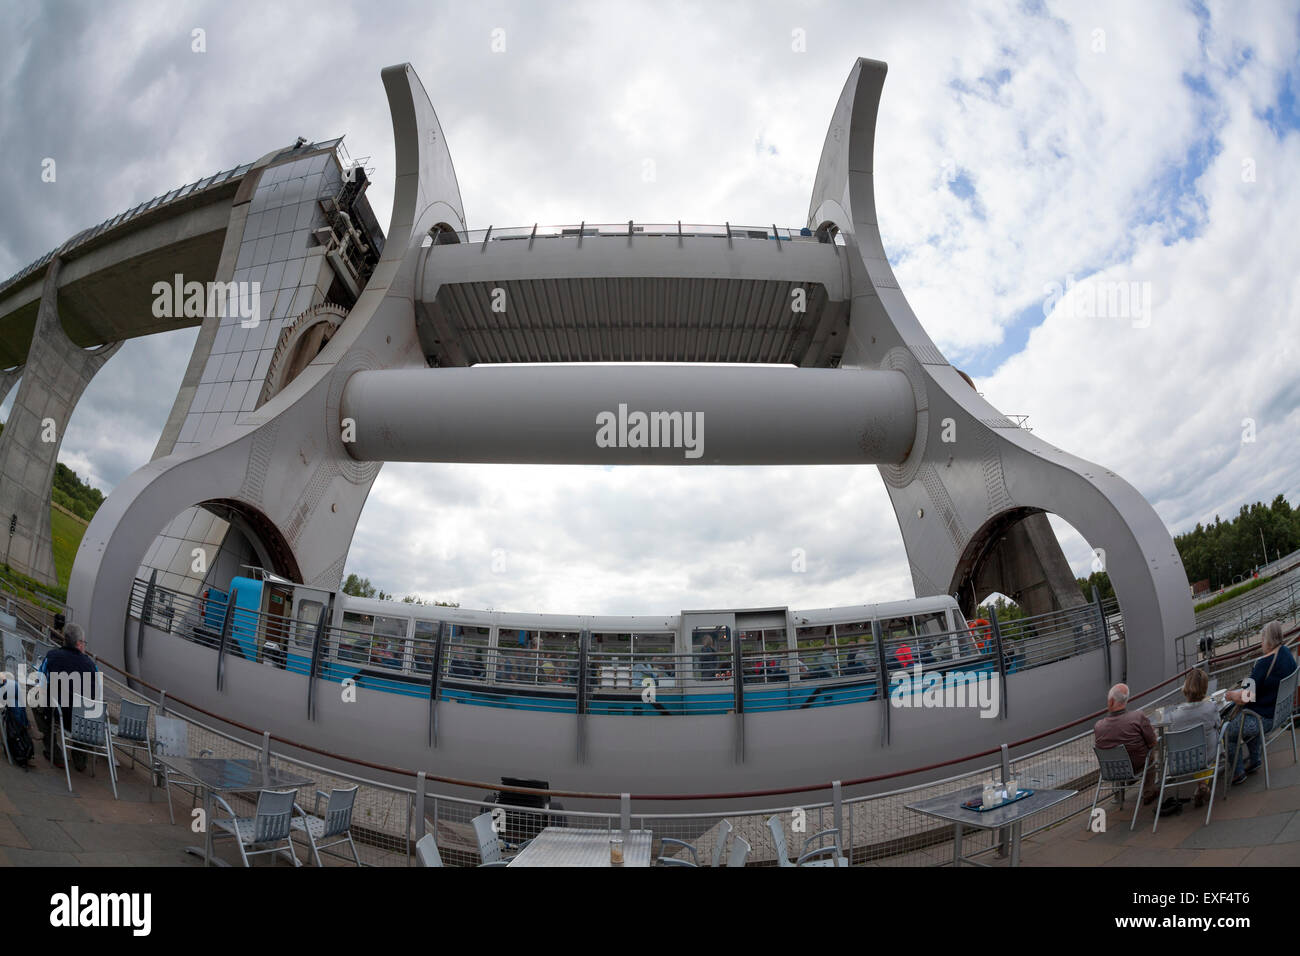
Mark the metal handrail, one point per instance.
(628, 231)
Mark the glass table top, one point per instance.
(228, 774)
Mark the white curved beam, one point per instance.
(946, 493)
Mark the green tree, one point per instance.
(1226, 551)
(416, 599)
(358, 587)
(1099, 580)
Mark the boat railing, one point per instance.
(571, 671)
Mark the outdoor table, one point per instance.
(226, 775)
(562, 846)
(949, 807)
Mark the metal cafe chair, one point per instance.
(489, 844)
(172, 739)
(1117, 774)
(335, 822)
(807, 857)
(719, 849)
(426, 851)
(739, 851)
(1186, 760)
(1283, 719)
(88, 735)
(270, 826)
(133, 730)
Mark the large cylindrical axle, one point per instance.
(630, 415)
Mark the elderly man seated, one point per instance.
(1133, 730)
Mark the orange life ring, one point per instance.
(975, 627)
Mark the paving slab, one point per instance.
(1256, 831)
(1231, 856)
(48, 835)
(1287, 854)
(18, 857)
(10, 835)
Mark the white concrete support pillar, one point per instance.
(56, 373)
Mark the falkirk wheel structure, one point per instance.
(389, 375)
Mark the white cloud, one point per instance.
(1069, 151)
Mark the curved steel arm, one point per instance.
(674, 860)
(219, 799)
(832, 848)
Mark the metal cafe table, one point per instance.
(563, 846)
(949, 807)
(226, 775)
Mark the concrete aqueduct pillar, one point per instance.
(56, 373)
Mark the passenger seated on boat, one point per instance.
(829, 660)
(460, 666)
(384, 655)
(855, 665)
(645, 669)
(903, 654)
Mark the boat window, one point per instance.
(612, 646)
(855, 645)
(933, 642)
(467, 651)
(653, 657)
(517, 659)
(807, 638)
(353, 645)
(712, 652)
(426, 639)
(558, 657)
(612, 660)
(899, 638)
(388, 646)
(308, 618)
(811, 643)
(764, 651)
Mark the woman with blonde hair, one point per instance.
(1198, 712)
(1256, 716)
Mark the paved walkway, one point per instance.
(42, 824)
(1253, 827)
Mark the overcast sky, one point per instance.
(1019, 146)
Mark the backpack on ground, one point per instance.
(18, 739)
